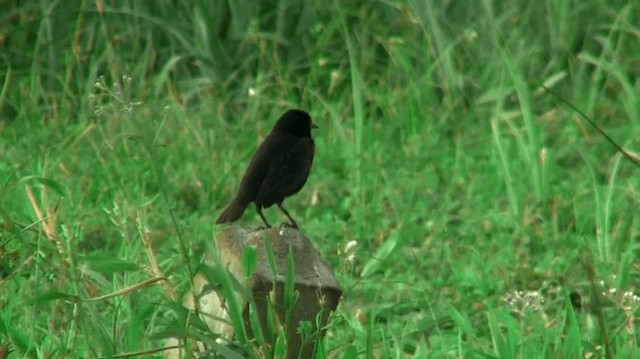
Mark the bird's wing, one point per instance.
(287, 172)
(257, 171)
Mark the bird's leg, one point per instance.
(259, 208)
(293, 222)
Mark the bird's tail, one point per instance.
(234, 210)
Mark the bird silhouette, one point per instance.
(279, 168)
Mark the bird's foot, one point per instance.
(261, 228)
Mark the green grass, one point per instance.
(463, 183)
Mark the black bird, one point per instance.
(278, 169)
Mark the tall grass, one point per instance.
(126, 126)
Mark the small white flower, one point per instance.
(350, 245)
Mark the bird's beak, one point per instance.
(313, 125)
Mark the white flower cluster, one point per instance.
(524, 301)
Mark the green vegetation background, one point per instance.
(489, 219)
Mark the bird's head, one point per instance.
(296, 122)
